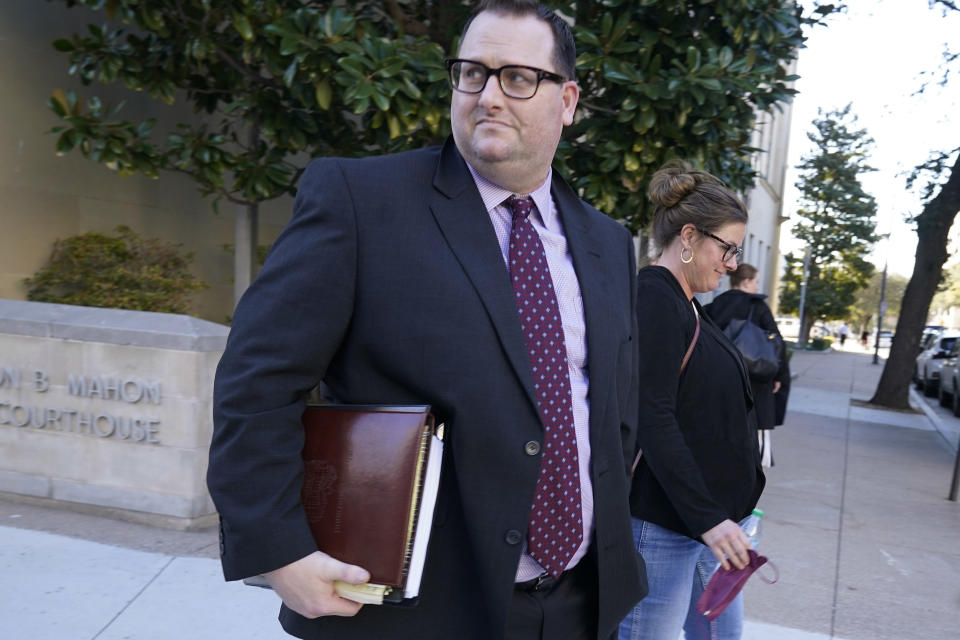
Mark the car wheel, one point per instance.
(956, 401)
(942, 397)
(929, 386)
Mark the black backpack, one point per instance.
(760, 348)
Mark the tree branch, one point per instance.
(403, 20)
(593, 106)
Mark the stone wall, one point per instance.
(108, 409)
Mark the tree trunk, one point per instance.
(245, 236)
(245, 249)
(933, 226)
(806, 326)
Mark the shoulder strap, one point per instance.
(693, 342)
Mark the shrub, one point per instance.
(122, 271)
(820, 344)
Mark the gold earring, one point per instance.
(690, 259)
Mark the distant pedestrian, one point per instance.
(863, 338)
(742, 301)
(844, 330)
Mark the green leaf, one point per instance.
(146, 127)
(712, 84)
(242, 25)
(323, 94)
(393, 124)
(66, 142)
(382, 101)
(698, 94)
(649, 118)
(289, 74)
(59, 103)
(606, 25)
(63, 45)
(353, 66)
(726, 57)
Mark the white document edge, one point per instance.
(431, 481)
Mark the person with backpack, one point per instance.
(741, 302)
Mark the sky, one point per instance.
(872, 56)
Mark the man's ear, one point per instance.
(570, 97)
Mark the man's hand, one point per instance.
(729, 544)
(306, 586)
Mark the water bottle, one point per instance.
(753, 527)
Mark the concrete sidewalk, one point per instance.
(857, 516)
(857, 522)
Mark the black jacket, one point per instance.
(701, 462)
(737, 304)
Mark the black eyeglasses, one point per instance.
(516, 81)
(729, 249)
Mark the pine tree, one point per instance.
(837, 220)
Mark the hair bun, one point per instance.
(671, 184)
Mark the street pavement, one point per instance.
(857, 522)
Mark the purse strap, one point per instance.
(696, 334)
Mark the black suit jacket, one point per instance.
(701, 461)
(389, 286)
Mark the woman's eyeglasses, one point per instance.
(729, 249)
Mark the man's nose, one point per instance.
(492, 92)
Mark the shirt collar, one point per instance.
(493, 195)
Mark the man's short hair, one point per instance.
(564, 49)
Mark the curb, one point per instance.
(917, 401)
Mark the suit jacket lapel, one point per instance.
(588, 262)
(463, 220)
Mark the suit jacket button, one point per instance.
(513, 537)
(532, 448)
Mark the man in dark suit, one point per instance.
(398, 281)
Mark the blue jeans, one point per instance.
(678, 569)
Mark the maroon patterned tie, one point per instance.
(556, 522)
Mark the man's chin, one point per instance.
(492, 148)
(491, 153)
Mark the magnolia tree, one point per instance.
(276, 82)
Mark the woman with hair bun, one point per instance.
(697, 474)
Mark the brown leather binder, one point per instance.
(371, 474)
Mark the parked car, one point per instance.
(789, 327)
(820, 331)
(930, 332)
(886, 339)
(949, 388)
(926, 373)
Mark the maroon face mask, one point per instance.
(727, 583)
